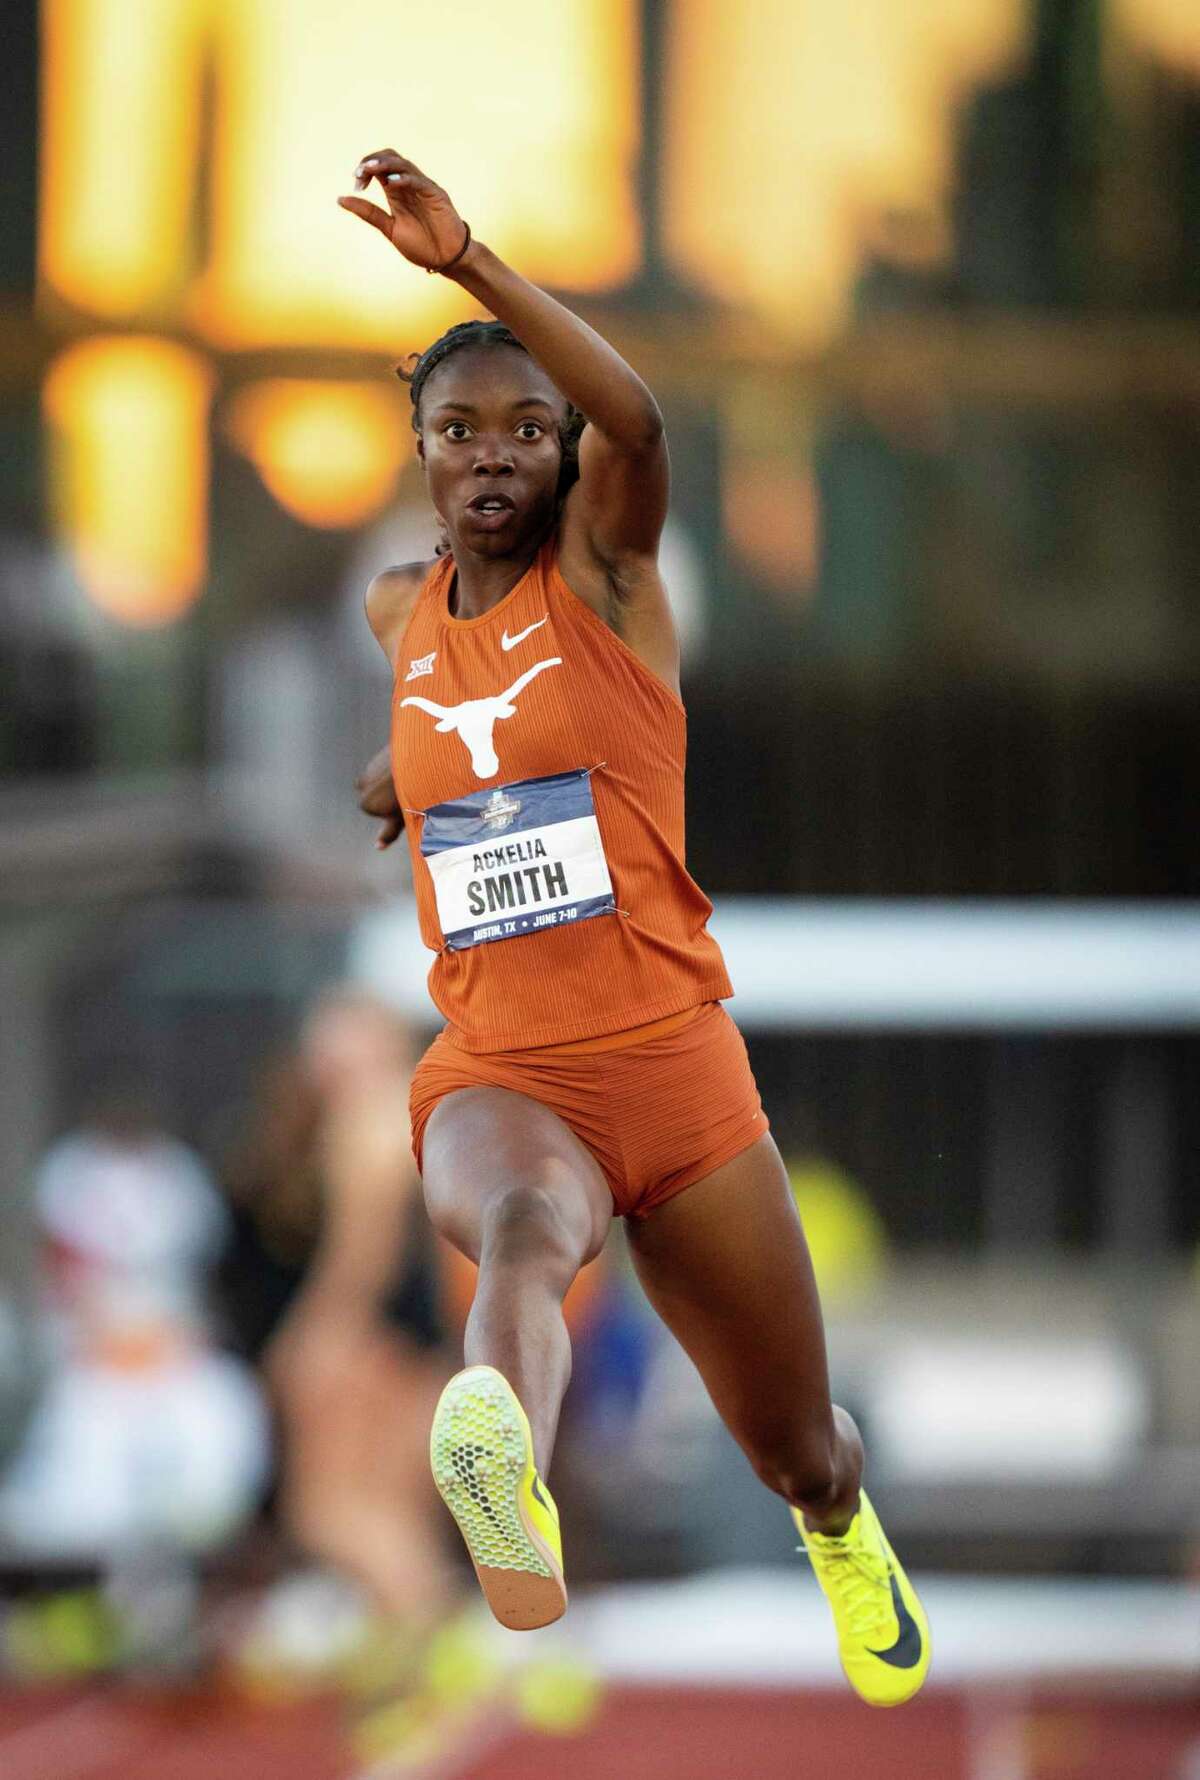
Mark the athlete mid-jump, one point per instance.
(587, 1068)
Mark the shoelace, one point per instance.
(857, 1578)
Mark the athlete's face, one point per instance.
(490, 443)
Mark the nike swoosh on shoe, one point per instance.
(905, 1653)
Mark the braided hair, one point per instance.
(418, 368)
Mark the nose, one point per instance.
(492, 458)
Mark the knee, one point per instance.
(526, 1223)
(797, 1464)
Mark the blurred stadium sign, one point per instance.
(793, 124)
(135, 157)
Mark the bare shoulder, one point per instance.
(627, 591)
(390, 598)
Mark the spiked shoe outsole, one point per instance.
(482, 1458)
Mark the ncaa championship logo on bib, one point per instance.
(517, 860)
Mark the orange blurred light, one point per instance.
(1168, 29)
(529, 118)
(119, 136)
(331, 453)
(129, 469)
(793, 124)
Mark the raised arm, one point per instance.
(624, 479)
(614, 517)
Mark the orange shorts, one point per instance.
(657, 1113)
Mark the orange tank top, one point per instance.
(539, 764)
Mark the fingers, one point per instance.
(371, 213)
(391, 830)
(386, 166)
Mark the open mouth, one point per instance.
(492, 503)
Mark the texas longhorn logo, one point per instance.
(474, 721)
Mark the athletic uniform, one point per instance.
(540, 768)
(539, 765)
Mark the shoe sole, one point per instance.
(480, 1453)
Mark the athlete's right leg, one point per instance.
(512, 1187)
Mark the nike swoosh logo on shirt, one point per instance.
(507, 642)
(905, 1653)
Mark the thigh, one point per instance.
(726, 1265)
(484, 1143)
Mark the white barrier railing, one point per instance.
(914, 966)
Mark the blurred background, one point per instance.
(918, 287)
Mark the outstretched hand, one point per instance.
(420, 220)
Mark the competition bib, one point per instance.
(516, 860)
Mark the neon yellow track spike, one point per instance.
(882, 1631)
(481, 1451)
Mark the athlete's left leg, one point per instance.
(726, 1266)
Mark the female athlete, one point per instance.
(587, 1067)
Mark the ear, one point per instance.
(421, 449)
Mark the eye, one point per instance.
(530, 430)
(456, 430)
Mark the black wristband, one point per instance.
(436, 271)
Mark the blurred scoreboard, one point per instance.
(191, 152)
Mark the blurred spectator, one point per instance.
(331, 1284)
(132, 1224)
(144, 1435)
